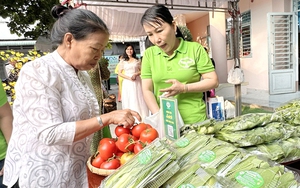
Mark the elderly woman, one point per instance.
(56, 111)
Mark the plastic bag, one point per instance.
(229, 110)
(235, 76)
(155, 122)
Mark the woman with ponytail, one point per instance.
(56, 111)
(174, 67)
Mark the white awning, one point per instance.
(123, 16)
(17, 43)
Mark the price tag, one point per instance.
(169, 110)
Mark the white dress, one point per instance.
(132, 95)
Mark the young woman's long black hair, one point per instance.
(159, 14)
(125, 56)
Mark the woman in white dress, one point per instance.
(132, 95)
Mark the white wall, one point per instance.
(256, 67)
(218, 43)
(217, 47)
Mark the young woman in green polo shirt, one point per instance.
(176, 67)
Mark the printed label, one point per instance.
(207, 156)
(186, 186)
(169, 109)
(145, 156)
(183, 142)
(249, 179)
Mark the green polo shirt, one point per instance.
(186, 65)
(3, 144)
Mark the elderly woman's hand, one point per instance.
(1, 172)
(124, 117)
(175, 89)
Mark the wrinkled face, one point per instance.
(85, 54)
(129, 51)
(162, 35)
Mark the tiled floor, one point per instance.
(257, 98)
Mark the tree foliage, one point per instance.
(186, 33)
(29, 18)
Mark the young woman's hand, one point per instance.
(133, 77)
(175, 89)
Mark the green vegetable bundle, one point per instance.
(273, 151)
(266, 134)
(193, 175)
(295, 103)
(254, 172)
(220, 164)
(279, 151)
(201, 164)
(249, 121)
(185, 129)
(149, 168)
(188, 144)
(289, 115)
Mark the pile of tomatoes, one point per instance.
(114, 152)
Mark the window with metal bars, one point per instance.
(229, 41)
(245, 45)
(245, 36)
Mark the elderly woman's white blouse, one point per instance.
(50, 97)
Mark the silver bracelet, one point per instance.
(100, 121)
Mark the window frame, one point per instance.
(245, 46)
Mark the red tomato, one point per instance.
(148, 135)
(106, 140)
(138, 147)
(138, 129)
(111, 164)
(125, 142)
(119, 154)
(111, 141)
(119, 130)
(97, 161)
(107, 150)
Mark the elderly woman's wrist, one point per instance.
(100, 122)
